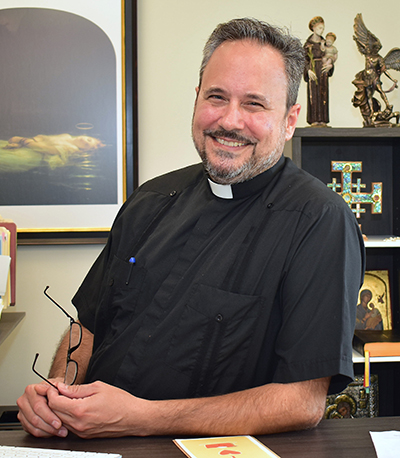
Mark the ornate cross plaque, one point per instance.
(351, 192)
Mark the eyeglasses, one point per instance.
(75, 339)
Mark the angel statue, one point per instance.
(368, 81)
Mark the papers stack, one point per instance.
(8, 249)
(229, 446)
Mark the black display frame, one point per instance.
(318, 146)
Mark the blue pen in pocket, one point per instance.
(132, 262)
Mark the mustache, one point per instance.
(231, 134)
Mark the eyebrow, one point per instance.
(257, 97)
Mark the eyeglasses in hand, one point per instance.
(75, 339)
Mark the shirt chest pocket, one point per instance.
(214, 338)
(125, 284)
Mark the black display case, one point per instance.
(378, 149)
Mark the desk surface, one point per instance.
(332, 438)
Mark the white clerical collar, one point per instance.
(246, 188)
(221, 190)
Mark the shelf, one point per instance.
(8, 322)
(381, 241)
(347, 132)
(358, 358)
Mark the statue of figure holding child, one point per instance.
(321, 56)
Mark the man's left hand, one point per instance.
(98, 410)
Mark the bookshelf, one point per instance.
(381, 241)
(378, 149)
(358, 358)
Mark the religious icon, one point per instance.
(321, 55)
(351, 192)
(374, 312)
(354, 401)
(343, 406)
(368, 81)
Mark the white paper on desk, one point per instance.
(386, 443)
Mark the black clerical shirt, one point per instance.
(197, 294)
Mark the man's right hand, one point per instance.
(35, 415)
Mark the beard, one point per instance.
(228, 173)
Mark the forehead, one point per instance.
(246, 63)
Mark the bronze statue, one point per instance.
(368, 81)
(320, 58)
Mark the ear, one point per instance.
(291, 120)
(197, 89)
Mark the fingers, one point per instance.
(78, 391)
(35, 415)
(72, 406)
(86, 411)
(312, 75)
(326, 68)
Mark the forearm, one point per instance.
(263, 410)
(81, 355)
(101, 410)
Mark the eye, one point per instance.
(215, 97)
(254, 106)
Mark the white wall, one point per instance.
(171, 37)
(62, 268)
(171, 34)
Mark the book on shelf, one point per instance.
(8, 247)
(378, 343)
(375, 343)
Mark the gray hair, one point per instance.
(280, 39)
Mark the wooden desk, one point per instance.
(331, 439)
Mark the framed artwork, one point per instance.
(375, 158)
(68, 117)
(374, 311)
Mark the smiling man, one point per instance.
(241, 123)
(224, 301)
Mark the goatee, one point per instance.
(231, 174)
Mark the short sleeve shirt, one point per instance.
(198, 295)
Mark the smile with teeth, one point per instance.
(231, 143)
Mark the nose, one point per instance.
(232, 117)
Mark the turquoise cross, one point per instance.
(351, 192)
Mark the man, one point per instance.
(224, 302)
